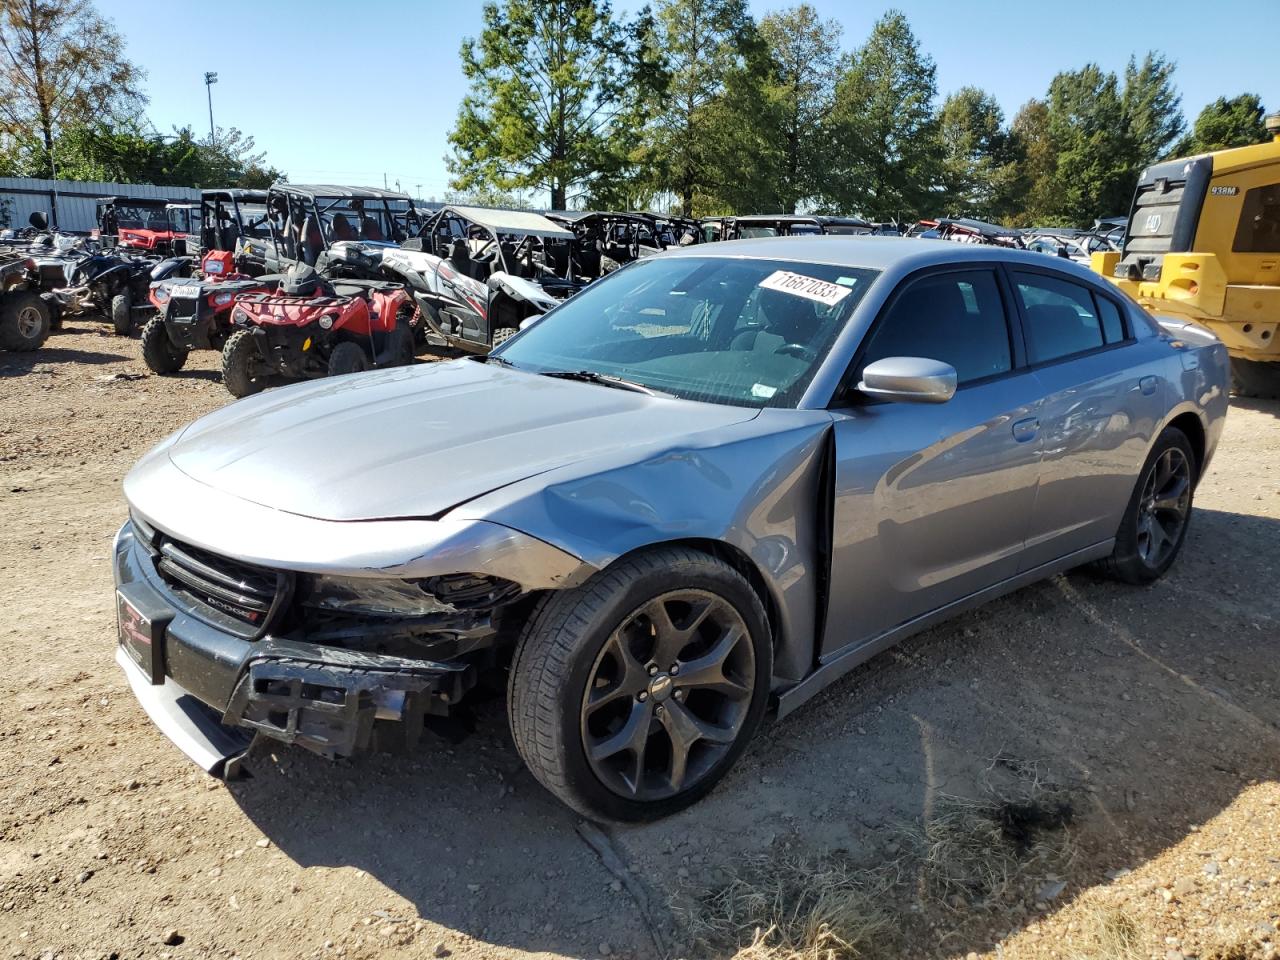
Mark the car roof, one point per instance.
(875, 253)
(338, 190)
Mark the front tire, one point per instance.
(347, 357)
(632, 695)
(1254, 378)
(158, 350)
(241, 363)
(24, 322)
(122, 313)
(1155, 522)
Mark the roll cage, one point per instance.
(305, 220)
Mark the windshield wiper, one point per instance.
(605, 380)
(491, 358)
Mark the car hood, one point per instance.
(418, 441)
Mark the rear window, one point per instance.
(1112, 325)
(1259, 228)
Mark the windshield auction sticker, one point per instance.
(810, 288)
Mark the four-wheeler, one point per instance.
(477, 274)
(1203, 244)
(341, 231)
(25, 318)
(313, 327)
(605, 240)
(164, 228)
(195, 313)
(114, 284)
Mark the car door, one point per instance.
(932, 501)
(1104, 392)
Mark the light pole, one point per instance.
(209, 80)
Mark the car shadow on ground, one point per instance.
(1153, 706)
(1262, 406)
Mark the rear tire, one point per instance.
(240, 365)
(691, 682)
(158, 350)
(348, 357)
(24, 321)
(122, 313)
(1254, 378)
(1155, 522)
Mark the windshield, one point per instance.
(742, 332)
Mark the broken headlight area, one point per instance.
(407, 598)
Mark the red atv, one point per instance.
(312, 327)
(195, 313)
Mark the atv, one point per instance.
(25, 319)
(478, 274)
(195, 313)
(237, 221)
(313, 327)
(163, 228)
(115, 285)
(341, 231)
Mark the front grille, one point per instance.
(183, 308)
(230, 593)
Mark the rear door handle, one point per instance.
(1147, 385)
(1027, 429)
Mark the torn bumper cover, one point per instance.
(210, 691)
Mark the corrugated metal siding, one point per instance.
(75, 202)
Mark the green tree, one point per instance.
(886, 164)
(1036, 162)
(63, 66)
(803, 52)
(1225, 123)
(551, 81)
(704, 42)
(979, 168)
(1152, 108)
(1095, 169)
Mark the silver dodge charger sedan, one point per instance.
(706, 486)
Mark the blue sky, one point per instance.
(342, 92)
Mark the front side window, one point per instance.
(957, 318)
(1259, 228)
(1061, 317)
(717, 329)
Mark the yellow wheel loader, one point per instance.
(1203, 244)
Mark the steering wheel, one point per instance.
(797, 350)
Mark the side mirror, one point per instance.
(38, 220)
(909, 380)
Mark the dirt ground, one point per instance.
(1157, 709)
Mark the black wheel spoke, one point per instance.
(632, 737)
(708, 670)
(1163, 508)
(684, 730)
(628, 682)
(1170, 497)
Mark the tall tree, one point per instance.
(1036, 157)
(1234, 122)
(63, 65)
(550, 82)
(1152, 108)
(703, 41)
(1095, 169)
(977, 161)
(887, 156)
(803, 51)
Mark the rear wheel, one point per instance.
(1254, 378)
(347, 357)
(1155, 522)
(242, 371)
(633, 694)
(158, 350)
(24, 321)
(122, 313)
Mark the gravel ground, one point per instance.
(1157, 708)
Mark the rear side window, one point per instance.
(958, 318)
(1259, 228)
(1061, 317)
(1109, 314)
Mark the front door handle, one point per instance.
(1147, 385)
(1027, 429)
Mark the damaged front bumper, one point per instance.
(210, 690)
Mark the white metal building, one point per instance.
(70, 204)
